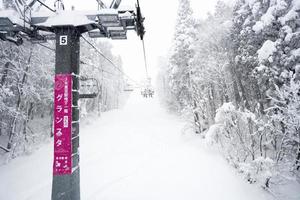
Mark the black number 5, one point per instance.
(63, 40)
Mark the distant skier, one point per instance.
(151, 93)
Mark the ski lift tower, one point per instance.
(68, 26)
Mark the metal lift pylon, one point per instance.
(109, 23)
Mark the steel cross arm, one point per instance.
(101, 4)
(110, 22)
(115, 4)
(13, 27)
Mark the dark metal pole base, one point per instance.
(70, 182)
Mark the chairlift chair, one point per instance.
(128, 88)
(91, 85)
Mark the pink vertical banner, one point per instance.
(62, 163)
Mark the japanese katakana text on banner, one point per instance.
(62, 124)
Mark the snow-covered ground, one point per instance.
(138, 152)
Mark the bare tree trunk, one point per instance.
(5, 72)
(30, 111)
(51, 121)
(100, 101)
(298, 154)
(239, 90)
(245, 103)
(260, 98)
(196, 118)
(260, 144)
(19, 101)
(2, 83)
(236, 93)
(298, 159)
(105, 101)
(211, 99)
(29, 108)
(11, 133)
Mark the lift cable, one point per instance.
(111, 62)
(141, 32)
(145, 59)
(102, 70)
(59, 4)
(45, 46)
(46, 6)
(101, 5)
(81, 61)
(99, 52)
(31, 4)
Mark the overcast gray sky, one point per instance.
(160, 21)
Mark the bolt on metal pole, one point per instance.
(66, 174)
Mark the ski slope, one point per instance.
(135, 153)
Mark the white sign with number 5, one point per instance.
(63, 40)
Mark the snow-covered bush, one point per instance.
(259, 170)
(235, 132)
(284, 122)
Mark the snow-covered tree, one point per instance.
(182, 55)
(210, 77)
(239, 80)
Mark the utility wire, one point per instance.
(111, 62)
